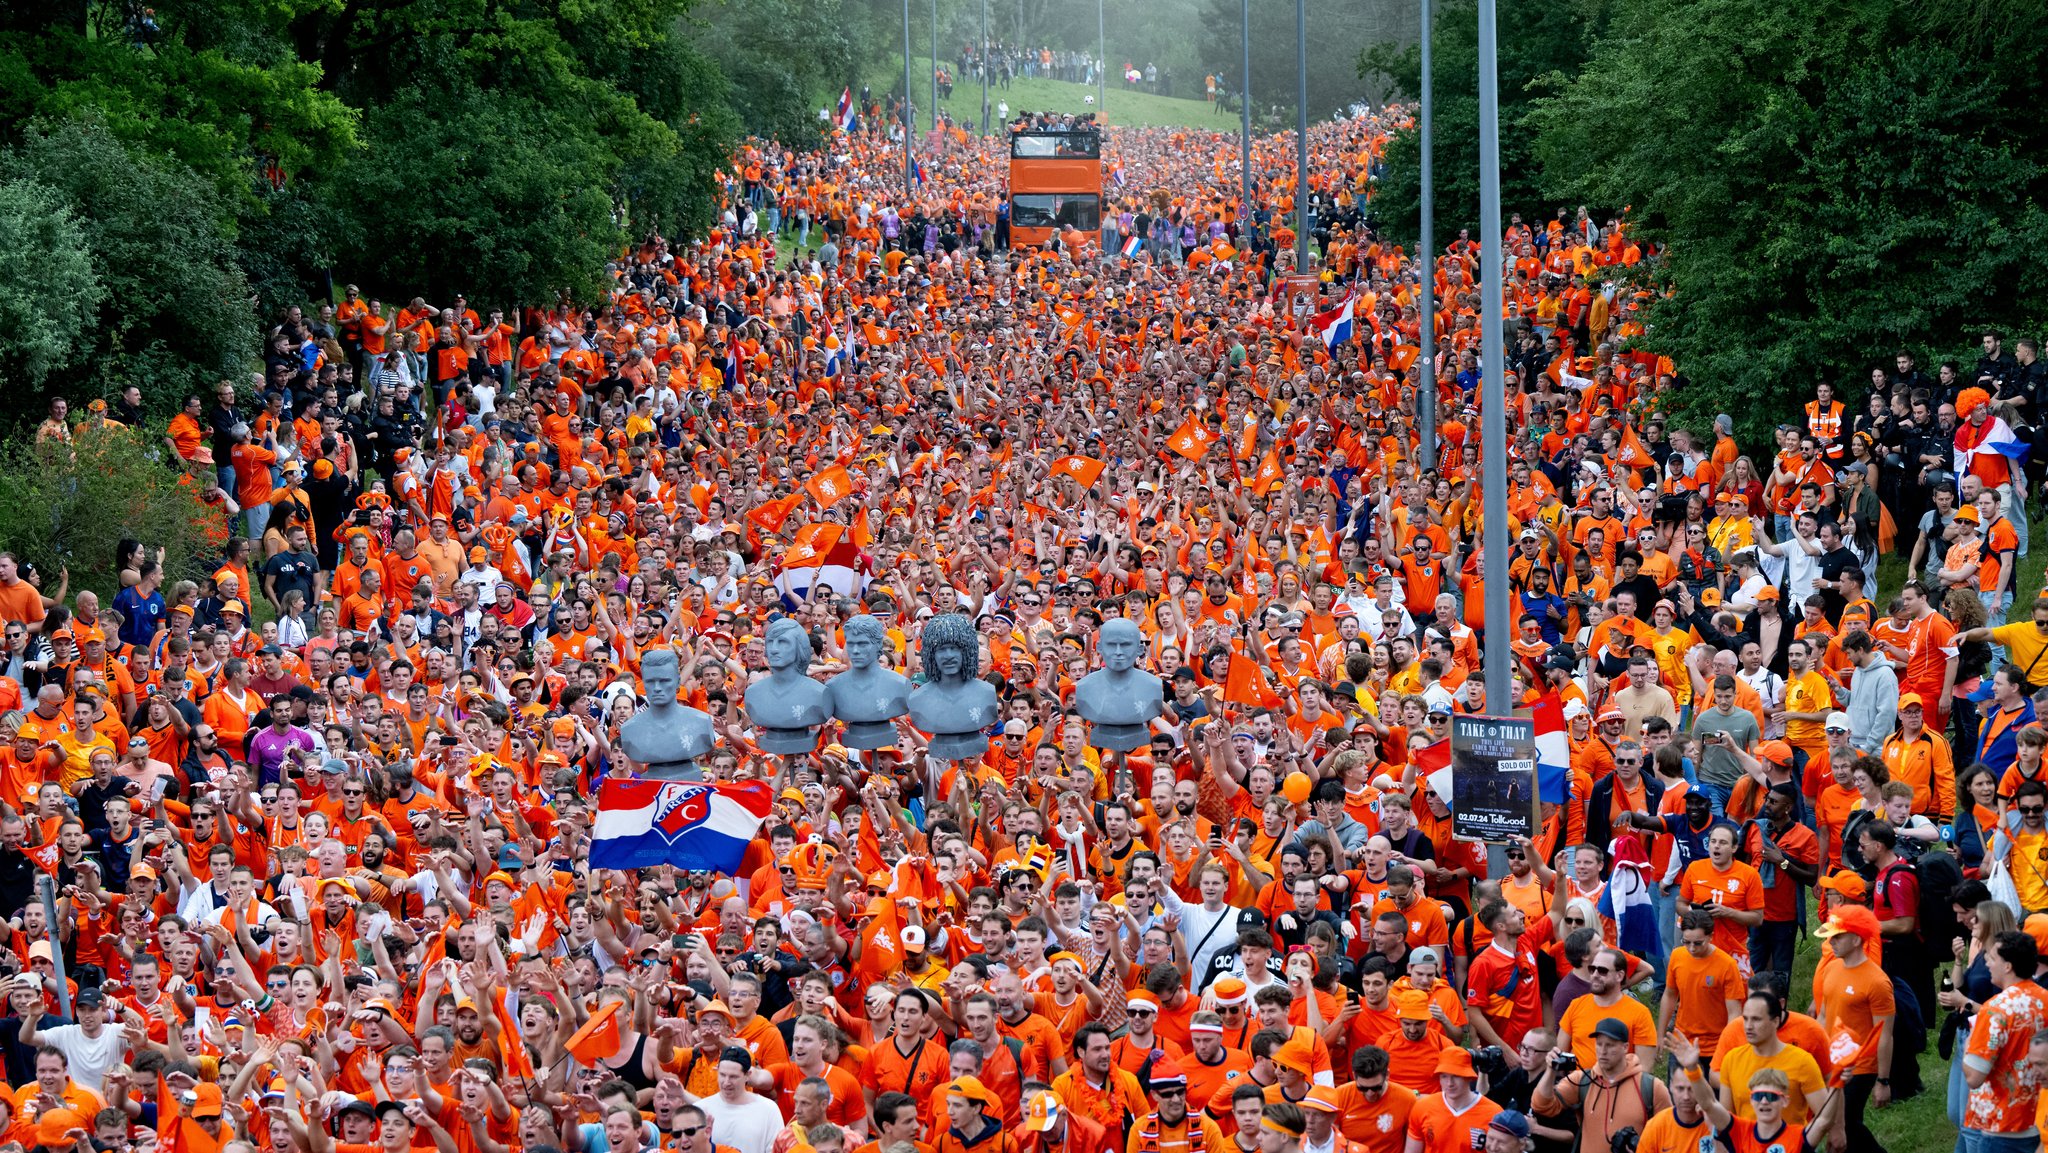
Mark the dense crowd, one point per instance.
(319, 821)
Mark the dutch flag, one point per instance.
(1132, 245)
(687, 824)
(846, 109)
(1993, 435)
(917, 170)
(1334, 326)
(1553, 750)
(836, 363)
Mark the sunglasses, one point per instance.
(1174, 1091)
(2032, 810)
(1603, 970)
(1574, 920)
(1766, 1095)
(691, 1131)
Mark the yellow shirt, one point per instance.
(1807, 693)
(1798, 1066)
(78, 757)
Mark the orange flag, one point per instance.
(881, 942)
(1631, 453)
(830, 486)
(1244, 685)
(1083, 469)
(1269, 472)
(1250, 442)
(863, 535)
(1191, 439)
(769, 517)
(599, 1036)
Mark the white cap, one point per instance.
(1575, 708)
(1837, 720)
(913, 938)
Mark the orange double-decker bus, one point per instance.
(1056, 185)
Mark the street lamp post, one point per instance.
(1244, 140)
(1301, 137)
(1493, 423)
(1425, 376)
(984, 67)
(1101, 66)
(909, 166)
(935, 65)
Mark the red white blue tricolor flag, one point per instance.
(688, 824)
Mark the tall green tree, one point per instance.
(1831, 180)
(1336, 37)
(49, 292)
(1538, 42)
(176, 310)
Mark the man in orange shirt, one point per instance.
(1856, 1006)
(1454, 1119)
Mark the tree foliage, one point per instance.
(1537, 43)
(66, 506)
(1336, 36)
(176, 306)
(1833, 180)
(48, 290)
(506, 149)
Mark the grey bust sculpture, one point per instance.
(953, 705)
(663, 741)
(867, 698)
(1119, 701)
(787, 706)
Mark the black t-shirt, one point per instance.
(1833, 564)
(292, 570)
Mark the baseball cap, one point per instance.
(1512, 1122)
(972, 1089)
(1911, 701)
(1041, 1112)
(1321, 1099)
(1611, 1028)
(1837, 720)
(1853, 919)
(913, 939)
(1229, 991)
(1846, 883)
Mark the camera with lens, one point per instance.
(1489, 1062)
(1562, 1062)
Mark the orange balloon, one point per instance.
(1296, 787)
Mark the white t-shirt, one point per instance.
(748, 1127)
(90, 1057)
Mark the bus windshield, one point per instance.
(1056, 146)
(1079, 210)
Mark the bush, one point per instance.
(68, 507)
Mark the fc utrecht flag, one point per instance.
(687, 824)
(1334, 326)
(1553, 751)
(1993, 435)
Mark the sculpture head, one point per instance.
(865, 639)
(1119, 642)
(787, 645)
(949, 650)
(661, 675)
